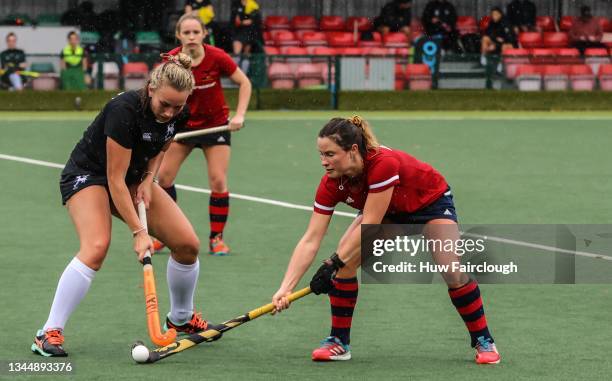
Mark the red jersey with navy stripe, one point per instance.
(206, 103)
(415, 184)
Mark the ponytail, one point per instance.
(346, 132)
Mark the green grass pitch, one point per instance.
(504, 168)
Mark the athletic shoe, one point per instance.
(486, 352)
(158, 245)
(195, 325)
(218, 247)
(49, 343)
(331, 349)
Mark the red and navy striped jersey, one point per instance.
(416, 184)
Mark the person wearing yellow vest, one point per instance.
(73, 64)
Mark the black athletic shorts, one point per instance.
(71, 183)
(217, 139)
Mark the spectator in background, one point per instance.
(395, 16)
(498, 36)
(203, 9)
(73, 64)
(521, 15)
(439, 20)
(586, 31)
(12, 60)
(247, 26)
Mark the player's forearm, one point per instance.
(154, 164)
(244, 96)
(302, 258)
(349, 249)
(122, 200)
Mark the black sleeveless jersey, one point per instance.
(124, 120)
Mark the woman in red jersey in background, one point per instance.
(208, 109)
(388, 186)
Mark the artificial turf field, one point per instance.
(504, 168)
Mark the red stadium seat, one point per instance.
(400, 76)
(328, 23)
(304, 22)
(555, 77)
(309, 75)
(418, 76)
(568, 56)
(466, 25)
(361, 23)
(267, 38)
(276, 22)
(271, 50)
(395, 40)
(555, 39)
(375, 51)
(543, 56)
(594, 57)
(530, 40)
(135, 75)
(283, 37)
(528, 78)
(512, 59)
(484, 23)
(376, 41)
(281, 76)
(313, 38)
(582, 78)
(324, 51)
(545, 23)
(605, 77)
(352, 51)
(566, 23)
(604, 23)
(340, 39)
(293, 51)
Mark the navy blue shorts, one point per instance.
(442, 208)
(223, 138)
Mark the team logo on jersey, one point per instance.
(147, 136)
(349, 200)
(79, 180)
(169, 131)
(221, 139)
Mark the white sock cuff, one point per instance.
(181, 267)
(87, 272)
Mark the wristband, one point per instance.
(138, 231)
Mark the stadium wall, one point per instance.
(269, 99)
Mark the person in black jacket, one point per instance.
(521, 15)
(439, 20)
(499, 35)
(395, 16)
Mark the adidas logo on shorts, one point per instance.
(221, 139)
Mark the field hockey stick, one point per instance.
(206, 131)
(214, 333)
(155, 333)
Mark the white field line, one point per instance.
(309, 208)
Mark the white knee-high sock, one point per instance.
(71, 289)
(182, 280)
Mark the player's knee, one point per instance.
(456, 280)
(218, 183)
(93, 253)
(164, 180)
(187, 251)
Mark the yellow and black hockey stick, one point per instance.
(213, 334)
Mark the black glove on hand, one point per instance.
(321, 282)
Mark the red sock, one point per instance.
(218, 208)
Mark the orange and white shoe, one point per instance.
(158, 245)
(486, 352)
(218, 247)
(49, 343)
(331, 349)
